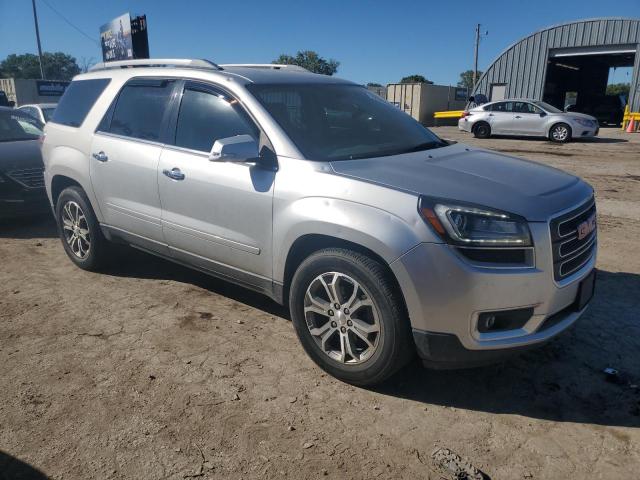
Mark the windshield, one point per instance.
(548, 108)
(15, 126)
(330, 122)
(47, 112)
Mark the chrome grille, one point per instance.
(570, 253)
(29, 177)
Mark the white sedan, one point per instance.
(523, 117)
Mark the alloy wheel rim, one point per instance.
(560, 133)
(342, 318)
(76, 230)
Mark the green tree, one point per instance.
(311, 61)
(57, 66)
(619, 89)
(466, 79)
(373, 84)
(415, 79)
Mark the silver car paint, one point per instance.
(526, 124)
(247, 231)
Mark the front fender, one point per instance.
(378, 230)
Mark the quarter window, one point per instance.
(77, 100)
(140, 109)
(205, 117)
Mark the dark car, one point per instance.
(4, 101)
(608, 109)
(22, 189)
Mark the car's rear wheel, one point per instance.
(350, 316)
(560, 133)
(482, 130)
(79, 230)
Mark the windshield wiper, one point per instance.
(424, 146)
(17, 139)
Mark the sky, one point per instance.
(374, 41)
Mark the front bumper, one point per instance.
(28, 204)
(445, 295)
(582, 132)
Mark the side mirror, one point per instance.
(11, 103)
(241, 148)
(543, 114)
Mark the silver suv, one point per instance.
(383, 239)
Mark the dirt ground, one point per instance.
(154, 371)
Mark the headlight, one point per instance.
(471, 225)
(584, 122)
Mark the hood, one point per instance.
(19, 155)
(577, 115)
(463, 173)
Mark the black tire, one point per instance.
(394, 343)
(482, 130)
(560, 133)
(98, 246)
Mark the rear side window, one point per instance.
(77, 100)
(207, 116)
(502, 107)
(140, 108)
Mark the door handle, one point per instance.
(101, 156)
(174, 174)
(490, 115)
(518, 116)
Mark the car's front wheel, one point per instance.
(350, 316)
(79, 230)
(560, 133)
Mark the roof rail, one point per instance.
(157, 62)
(268, 66)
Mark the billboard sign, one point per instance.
(51, 88)
(115, 38)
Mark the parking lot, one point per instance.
(150, 370)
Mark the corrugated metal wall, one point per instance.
(522, 67)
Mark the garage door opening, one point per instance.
(577, 80)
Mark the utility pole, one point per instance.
(35, 19)
(475, 56)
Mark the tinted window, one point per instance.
(16, 126)
(205, 117)
(525, 107)
(502, 107)
(29, 111)
(140, 109)
(341, 122)
(77, 100)
(47, 113)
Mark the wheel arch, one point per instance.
(557, 122)
(65, 166)
(59, 183)
(306, 245)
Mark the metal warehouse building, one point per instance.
(569, 60)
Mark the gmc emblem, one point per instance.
(586, 227)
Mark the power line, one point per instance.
(70, 23)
